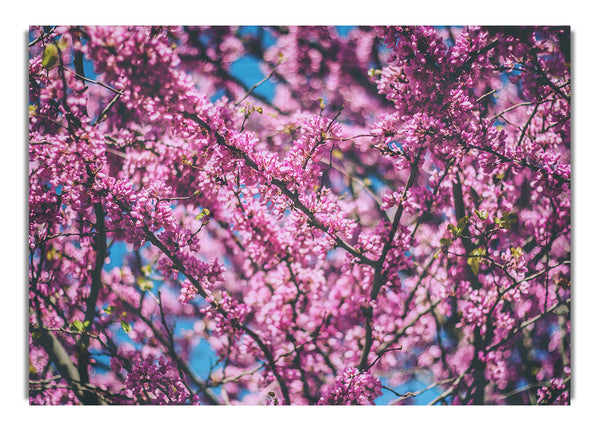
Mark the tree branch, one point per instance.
(96, 285)
(67, 369)
(379, 275)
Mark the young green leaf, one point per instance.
(475, 258)
(50, 56)
(482, 215)
(516, 252)
(126, 326)
(445, 241)
(77, 325)
(205, 212)
(462, 224)
(145, 284)
(507, 221)
(453, 229)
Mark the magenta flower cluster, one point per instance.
(352, 387)
(390, 204)
(156, 382)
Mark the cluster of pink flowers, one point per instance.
(156, 382)
(352, 387)
(557, 392)
(403, 187)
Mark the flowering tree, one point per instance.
(397, 210)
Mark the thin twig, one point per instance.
(108, 107)
(41, 37)
(100, 83)
(449, 390)
(518, 105)
(485, 95)
(407, 395)
(255, 86)
(380, 355)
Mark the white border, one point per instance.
(586, 215)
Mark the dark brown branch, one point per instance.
(526, 126)
(379, 355)
(379, 275)
(96, 285)
(67, 369)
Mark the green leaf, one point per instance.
(445, 241)
(50, 56)
(145, 284)
(473, 262)
(452, 229)
(507, 221)
(126, 326)
(53, 254)
(147, 270)
(205, 212)
(63, 43)
(516, 252)
(109, 309)
(510, 219)
(482, 215)
(78, 325)
(475, 258)
(462, 223)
